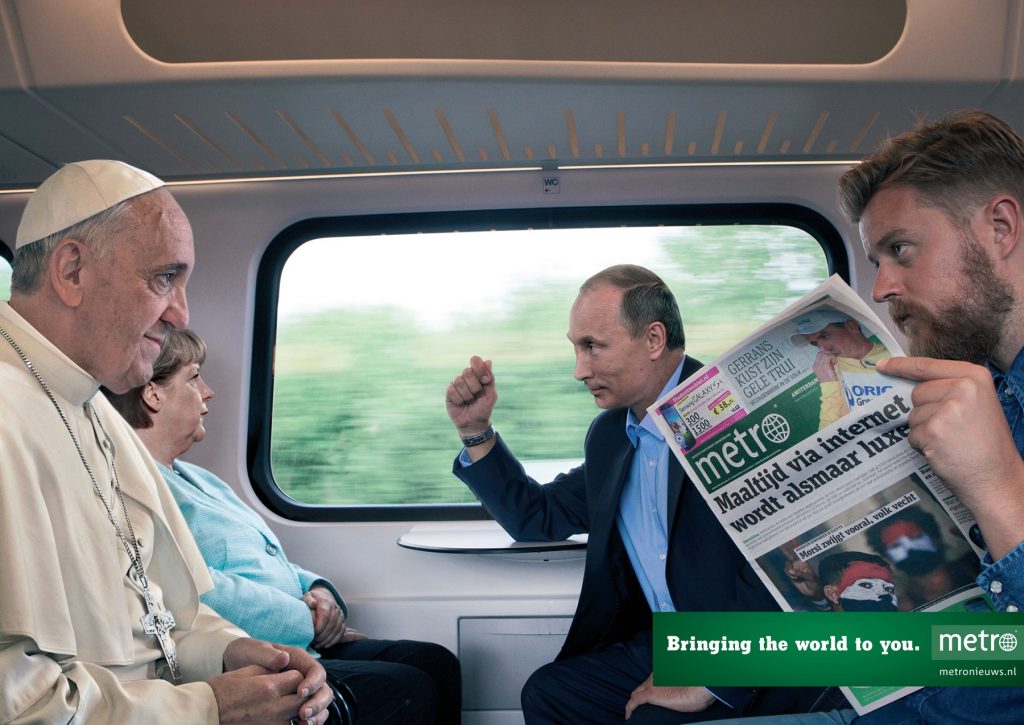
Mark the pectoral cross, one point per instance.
(160, 622)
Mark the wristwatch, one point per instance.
(475, 440)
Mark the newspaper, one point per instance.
(803, 455)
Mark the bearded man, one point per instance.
(941, 216)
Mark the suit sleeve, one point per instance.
(527, 510)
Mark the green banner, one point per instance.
(897, 649)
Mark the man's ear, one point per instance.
(656, 338)
(830, 593)
(152, 396)
(66, 265)
(1004, 214)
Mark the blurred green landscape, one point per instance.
(358, 409)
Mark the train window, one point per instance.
(367, 329)
(5, 274)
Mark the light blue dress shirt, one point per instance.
(643, 506)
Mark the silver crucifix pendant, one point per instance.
(160, 622)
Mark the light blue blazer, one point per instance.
(254, 584)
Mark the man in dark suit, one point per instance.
(653, 542)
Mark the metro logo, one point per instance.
(978, 643)
(763, 433)
(734, 453)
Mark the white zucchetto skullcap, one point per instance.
(78, 191)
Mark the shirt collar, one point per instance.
(633, 426)
(65, 378)
(1014, 377)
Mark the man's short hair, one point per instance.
(31, 260)
(180, 347)
(956, 163)
(832, 566)
(645, 299)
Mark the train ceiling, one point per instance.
(193, 90)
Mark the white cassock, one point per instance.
(72, 645)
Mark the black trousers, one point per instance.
(398, 682)
(594, 688)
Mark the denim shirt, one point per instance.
(1004, 579)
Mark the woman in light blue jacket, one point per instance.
(255, 586)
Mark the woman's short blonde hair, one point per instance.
(180, 347)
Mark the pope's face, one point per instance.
(134, 291)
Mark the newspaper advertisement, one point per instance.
(799, 445)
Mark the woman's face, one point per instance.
(184, 406)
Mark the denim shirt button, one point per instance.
(1012, 608)
(996, 587)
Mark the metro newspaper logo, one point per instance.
(763, 434)
(851, 649)
(978, 643)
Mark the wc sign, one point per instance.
(551, 184)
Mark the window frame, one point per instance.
(6, 253)
(264, 338)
